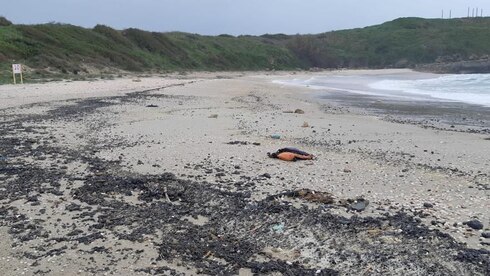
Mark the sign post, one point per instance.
(17, 69)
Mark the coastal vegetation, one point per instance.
(63, 50)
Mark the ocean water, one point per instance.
(472, 89)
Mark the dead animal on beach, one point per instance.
(290, 154)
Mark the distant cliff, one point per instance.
(439, 45)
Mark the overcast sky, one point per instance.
(232, 16)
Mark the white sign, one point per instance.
(17, 68)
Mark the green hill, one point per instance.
(404, 42)
(70, 51)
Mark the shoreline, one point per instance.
(147, 172)
(427, 112)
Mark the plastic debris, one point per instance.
(278, 228)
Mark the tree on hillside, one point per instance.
(313, 51)
(4, 21)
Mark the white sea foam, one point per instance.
(473, 89)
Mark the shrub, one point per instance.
(4, 21)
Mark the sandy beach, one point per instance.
(169, 175)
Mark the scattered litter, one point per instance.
(308, 195)
(474, 224)
(278, 228)
(305, 124)
(242, 143)
(208, 254)
(297, 111)
(166, 195)
(290, 154)
(276, 136)
(213, 116)
(314, 196)
(266, 175)
(347, 170)
(152, 105)
(358, 204)
(238, 143)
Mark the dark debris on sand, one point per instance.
(237, 228)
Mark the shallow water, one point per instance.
(471, 89)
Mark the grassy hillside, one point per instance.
(66, 50)
(52, 49)
(404, 42)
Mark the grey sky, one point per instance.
(231, 16)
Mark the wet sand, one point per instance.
(448, 116)
(147, 177)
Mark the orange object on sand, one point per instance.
(289, 156)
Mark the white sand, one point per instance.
(389, 162)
